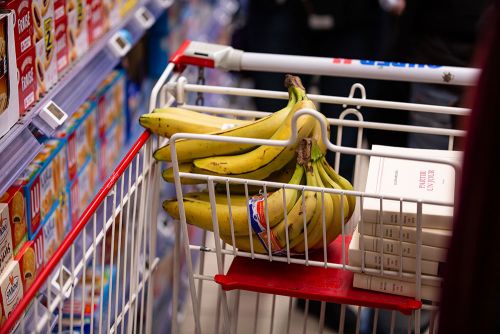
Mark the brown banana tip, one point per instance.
(293, 81)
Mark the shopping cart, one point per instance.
(100, 278)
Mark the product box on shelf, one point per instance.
(27, 82)
(95, 20)
(80, 133)
(45, 41)
(11, 287)
(82, 189)
(111, 13)
(61, 29)
(9, 99)
(14, 199)
(135, 102)
(43, 182)
(23, 23)
(126, 6)
(25, 51)
(6, 251)
(53, 155)
(52, 230)
(19, 275)
(110, 99)
(78, 40)
(30, 261)
(91, 288)
(111, 145)
(63, 217)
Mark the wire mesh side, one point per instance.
(218, 187)
(88, 285)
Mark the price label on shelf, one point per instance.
(53, 115)
(120, 44)
(144, 17)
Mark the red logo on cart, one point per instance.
(342, 61)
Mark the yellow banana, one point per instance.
(316, 135)
(342, 183)
(336, 227)
(203, 196)
(295, 216)
(262, 155)
(168, 124)
(199, 211)
(190, 149)
(281, 176)
(315, 229)
(285, 157)
(243, 243)
(168, 174)
(219, 122)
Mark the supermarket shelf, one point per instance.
(310, 282)
(19, 146)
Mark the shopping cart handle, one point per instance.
(227, 58)
(207, 55)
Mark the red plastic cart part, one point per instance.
(181, 60)
(316, 283)
(73, 234)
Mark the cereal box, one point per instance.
(14, 199)
(11, 287)
(9, 99)
(80, 133)
(126, 6)
(30, 185)
(25, 51)
(111, 148)
(78, 40)
(62, 218)
(43, 182)
(30, 264)
(53, 157)
(90, 288)
(111, 13)
(61, 30)
(23, 24)
(27, 82)
(110, 99)
(45, 42)
(50, 238)
(5, 237)
(83, 189)
(95, 20)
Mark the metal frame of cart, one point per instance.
(124, 212)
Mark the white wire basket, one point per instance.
(245, 286)
(324, 276)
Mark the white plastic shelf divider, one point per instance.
(19, 146)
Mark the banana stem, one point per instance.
(304, 153)
(293, 81)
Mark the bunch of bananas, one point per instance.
(298, 164)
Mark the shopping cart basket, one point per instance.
(100, 278)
